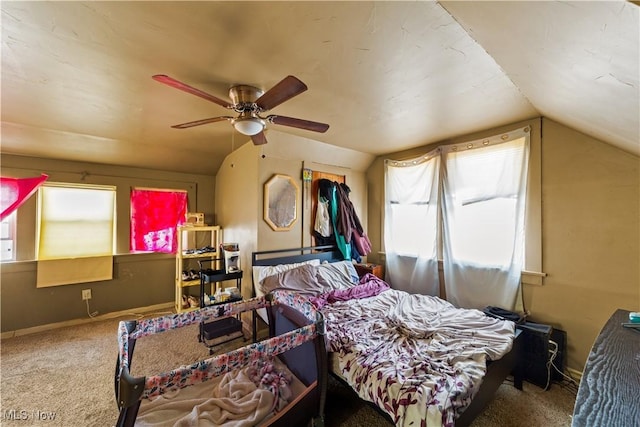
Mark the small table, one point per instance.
(375, 269)
(609, 390)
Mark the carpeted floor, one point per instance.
(65, 378)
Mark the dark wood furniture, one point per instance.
(609, 390)
(375, 269)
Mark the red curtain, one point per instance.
(15, 191)
(155, 216)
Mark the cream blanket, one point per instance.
(231, 400)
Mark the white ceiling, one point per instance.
(387, 76)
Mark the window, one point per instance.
(464, 204)
(8, 237)
(481, 191)
(76, 234)
(13, 193)
(412, 191)
(155, 216)
(481, 201)
(76, 221)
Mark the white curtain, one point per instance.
(411, 228)
(483, 207)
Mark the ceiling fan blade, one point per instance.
(288, 87)
(201, 122)
(259, 138)
(298, 123)
(170, 81)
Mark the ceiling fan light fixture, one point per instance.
(249, 126)
(249, 102)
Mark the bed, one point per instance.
(423, 362)
(279, 381)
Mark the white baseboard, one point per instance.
(575, 374)
(74, 322)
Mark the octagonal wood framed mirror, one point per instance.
(280, 202)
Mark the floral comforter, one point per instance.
(417, 357)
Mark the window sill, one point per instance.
(9, 266)
(532, 278)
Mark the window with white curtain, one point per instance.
(411, 227)
(412, 199)
(483, 187)
(465, 204)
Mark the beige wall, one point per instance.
(239, 190)
(140, 280)
(237, 200)
(269, 239)
(590, 232)
(591, 235)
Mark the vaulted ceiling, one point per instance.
(386, 76)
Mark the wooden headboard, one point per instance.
(289, 256)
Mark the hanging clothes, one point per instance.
(347, 232)
(325, 194)
(345, 221)
(341, 241)
(350, 224)
(361, 242)
(355, 255)
(323, 220)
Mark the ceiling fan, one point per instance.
(250, 102)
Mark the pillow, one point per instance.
(337, 275)
(302, 280)
(260, 272)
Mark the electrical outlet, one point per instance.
(86, 294)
